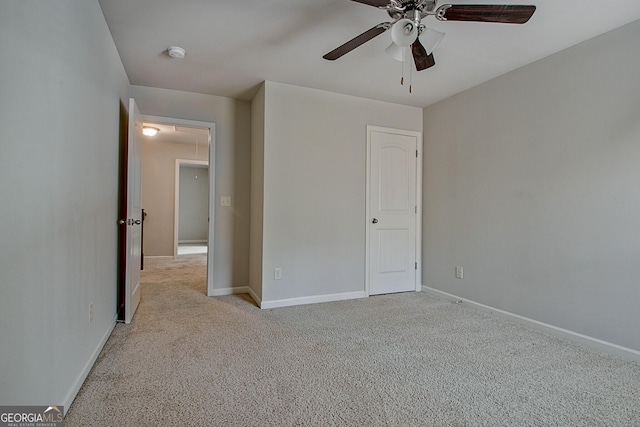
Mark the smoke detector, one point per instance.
(176, 52)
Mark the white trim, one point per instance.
(311, 300)
(367, 210)
(237, 290)
(419, 147)
(176, 200)
(255, 297)
(418, 254)
(191, 242)
(75, 388)
(212, 207)
(229, 291)
(594, 343)
(158, 257)
(212, 182)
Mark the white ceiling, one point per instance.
(232, 46)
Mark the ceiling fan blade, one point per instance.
(502, 13)
(422, 59)
(375, 3)
(357, 41)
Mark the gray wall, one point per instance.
(314, 188)
(531, 183)
(158, 190)
(193, 224)
(232, 170)
(62, 86)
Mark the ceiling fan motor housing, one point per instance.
(412, 9)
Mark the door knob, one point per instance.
(374, 221)
(129, 221)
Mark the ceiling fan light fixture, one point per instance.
(430, 39)
(404, 32)
(149, 131)
(395, 51)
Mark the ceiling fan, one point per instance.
(407, 27)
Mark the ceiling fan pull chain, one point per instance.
(403, 59)
(410, 79)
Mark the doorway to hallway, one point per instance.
(176, 166)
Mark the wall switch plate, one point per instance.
(225, 201)
(277, 273)
(459, 272)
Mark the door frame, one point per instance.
(176, 208)
(418, 216)
(172, 121)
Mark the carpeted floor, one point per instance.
(395, 360)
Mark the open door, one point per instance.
(130, 221)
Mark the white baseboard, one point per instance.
(146, 257)
(236, 290)
(285, 302)
(71, 395)
(192, 242)
(229, 291)
(594, 343)
(311, 300)
(255, 297)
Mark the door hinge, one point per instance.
(416, 266)
(416, 153)
(416, 210)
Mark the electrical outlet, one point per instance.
(459, 272)
(277, 273)
(91, 312)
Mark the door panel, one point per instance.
(134, 212)
(392, 211)
(393, 251)
(392, 188)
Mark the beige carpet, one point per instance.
(396, 360)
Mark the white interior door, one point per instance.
(134, 212)
(392, 210)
